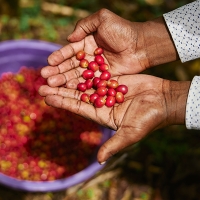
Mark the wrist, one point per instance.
(159, 46)
(176, 93)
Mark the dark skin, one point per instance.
(129, 48)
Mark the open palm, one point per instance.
(145, 109)
(129, 47)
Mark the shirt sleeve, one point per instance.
(192, 118)
(184, 26)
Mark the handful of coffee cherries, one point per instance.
(107, 91)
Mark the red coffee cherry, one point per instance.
(98, 51)
(82, 87)
(102, 83)
(112, 83)
(111, 92)
(103, 67)
(99, 59)
(84, 63)
(89, 83)
(101, 91)
(85, 97)
(95, 81)
(105, 75)
(119, 97)
(88, 74)
(122, 88)
(80, 55)
(93, 66)
(110, 101)
(99, 102)
(93, 97)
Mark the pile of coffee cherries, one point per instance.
(39, 142)
(107, 90)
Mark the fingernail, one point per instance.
(102, 163)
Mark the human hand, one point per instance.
(129, 47)
(151, 103)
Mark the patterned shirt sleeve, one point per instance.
(192, 118)
(184, 26)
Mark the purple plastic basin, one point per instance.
(34, 53)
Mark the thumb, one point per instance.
(124, 137)
(85, 27)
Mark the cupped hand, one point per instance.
(150, 103)
(129, 47)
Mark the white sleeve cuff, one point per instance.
(184, 26)
(192, 117)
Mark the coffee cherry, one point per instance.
(101, 91)
(110, 101)
(119, 97)
(88, 74)
(99, 102)
(93, 66)
(89, 83)
(99, 59)
(85, 98)
(95, 81)
(93, 97)
(98, 51)
(105, 75)
(82, 87)
(112, 83)
(80, 55)
(122, 88)
(103, 67)
(102, 83)
(84, 63)
(111, 92)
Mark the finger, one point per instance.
(61, 79)
(65, 66)
(85, 27)
(45, 90)
(49, 71)
(56, 80)
(68, 65)
(116, 143)
(65, 53)
(132, 127)
(72, 104)
(69, 99)
(72, 84)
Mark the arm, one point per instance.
(159, 46)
